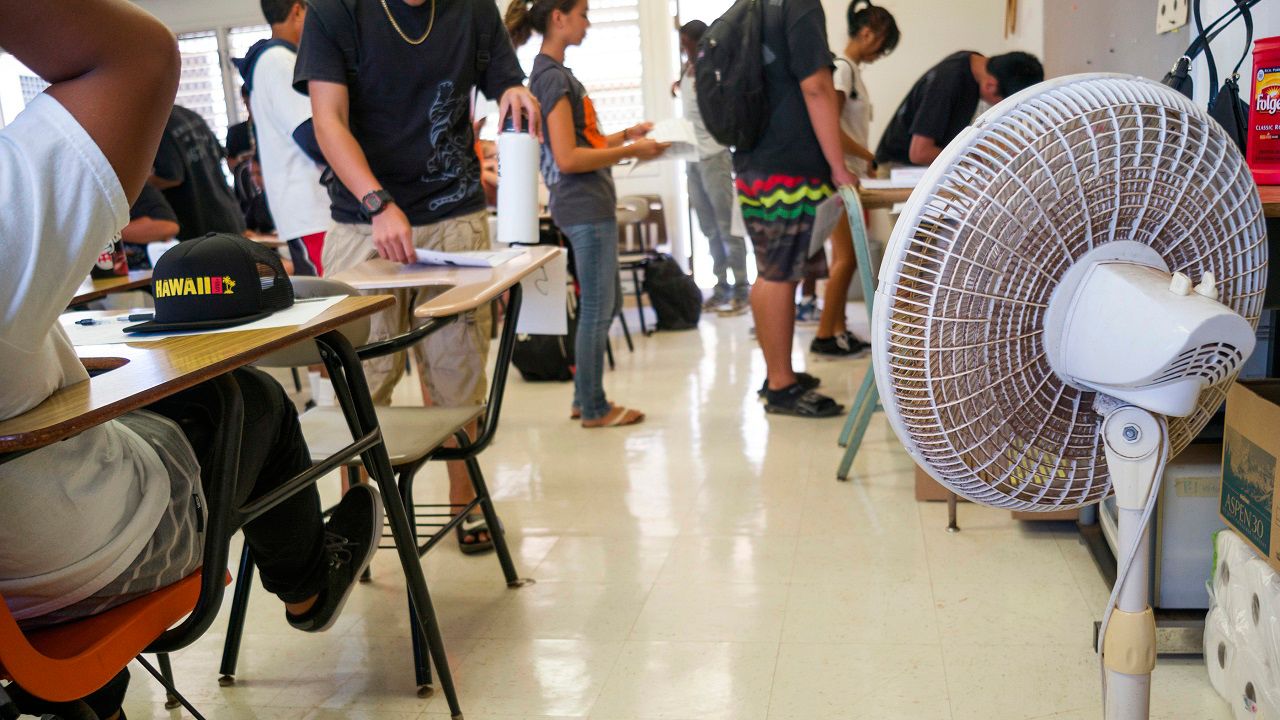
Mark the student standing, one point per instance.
(873, 33)
(780, 183)
(942, 102)
(285, 137)
(188, 169)
(390, 84)
(576, 166)
(711, 192)
(115, 511)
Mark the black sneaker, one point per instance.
(350, 539)
(842, 345)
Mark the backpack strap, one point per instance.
(853, 90)
(484, 38)
(339, 20)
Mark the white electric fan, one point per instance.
(1063, 304)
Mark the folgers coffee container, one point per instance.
(1264, 113)
(111, 261)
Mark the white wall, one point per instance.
(931, 30)
(188, 15)
(1229, 45)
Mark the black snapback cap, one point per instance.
(220, 280)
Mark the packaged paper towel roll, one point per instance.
(1249, 690)
(518, 158)
(1219, 652)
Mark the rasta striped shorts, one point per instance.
(779, 212)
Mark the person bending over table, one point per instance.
(131, 488)
(391, 102)
(944, 99)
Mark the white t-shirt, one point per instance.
(299, 203)
(75, 514)
(707, 145)
(855, 116)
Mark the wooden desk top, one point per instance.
(145, 372)
(271, 240)
(883, 199)
(91, 289)
(469, 288)
(1270, 200)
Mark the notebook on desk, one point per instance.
(469, 258)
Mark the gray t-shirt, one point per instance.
(576, 198)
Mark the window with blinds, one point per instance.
(201, 85)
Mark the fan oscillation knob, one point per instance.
(1208, 286)
(1180, 284)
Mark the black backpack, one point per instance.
(546, 358)
(674, 295)
(729, 76)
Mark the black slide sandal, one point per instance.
(473, 525)
(805, 380)
(798, 401)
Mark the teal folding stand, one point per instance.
(868, 399)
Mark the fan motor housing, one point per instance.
(1122, 325)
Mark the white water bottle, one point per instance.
(518, 157)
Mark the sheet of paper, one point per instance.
(545, 294)
(824, 223)
(110, 330)
(886, 184)
(470, 258)
(909, 176)
(680, 133)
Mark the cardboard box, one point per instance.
(930, 490)
(1251, 444)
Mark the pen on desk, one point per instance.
(135, 317)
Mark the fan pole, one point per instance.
(1135, 442)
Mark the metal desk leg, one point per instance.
(353, 396)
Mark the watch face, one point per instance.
(372, 202)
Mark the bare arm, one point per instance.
(573, 159)
(110, 64)
(148, 230)
(824, 115)
(923, 150)
(848, 144)
(330, 112)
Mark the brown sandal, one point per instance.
(617, 416)
(575, 413)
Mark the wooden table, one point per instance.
(92, 289)
(146, 371)
(1270, 195)
(883, 199)
(468, 288)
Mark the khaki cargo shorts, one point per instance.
(451, 360)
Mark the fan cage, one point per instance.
(1040, 180)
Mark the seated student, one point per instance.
(131, 488)
(943, 100)
(150, 220)
(188, 169)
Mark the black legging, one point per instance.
(288, 540)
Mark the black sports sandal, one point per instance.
(795, 400)
(806, 381)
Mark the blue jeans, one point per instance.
(595, 259)
(711, 193)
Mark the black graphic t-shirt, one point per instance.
(191, 155)
(411, 104)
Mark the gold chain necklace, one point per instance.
(431, 24)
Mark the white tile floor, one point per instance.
(705, 565)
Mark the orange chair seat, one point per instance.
(68, 661)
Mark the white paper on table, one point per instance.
(110, 330)
(468, 258)
(886, 184)
(908, 176)
(824, 223)
(543, 300)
